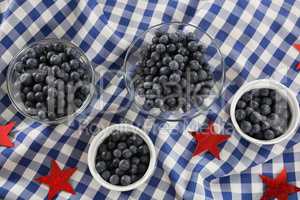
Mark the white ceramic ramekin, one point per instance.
(100, 137)
(283, 91)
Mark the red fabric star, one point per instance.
(57, 180)
(297, 46)
(208, 141)
(4, 131)
(278, 187)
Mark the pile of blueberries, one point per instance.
(263, 114)
(172, 72)
(122, 158)
(51, 80)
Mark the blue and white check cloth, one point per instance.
(256, 38)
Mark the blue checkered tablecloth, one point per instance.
(256, 38)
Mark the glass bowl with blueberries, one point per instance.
(50, 81)
(174, 71)
(121, 157)
(265, 112)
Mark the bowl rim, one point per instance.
(279, 87)
(11, 69)
(143, 33)
(97, 141)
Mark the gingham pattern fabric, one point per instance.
(256, 39)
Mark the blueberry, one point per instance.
(202, 75)
(31, 53)
(249, 110)
(155, 56)
(164, 71)
(247, 96)
(119, 172)
(100, 166)
(183, 51)
(147, 85)
(124, 165)
(125, 180)
(192, 46)
(138, 140)
(135, 160)
(26, 90)
(19, 66)
(175, 78)
(199, 100)
(51, 116)
(195, 65)
(63, 57)
(106, 155)
(66, 67)
(134, 169)
(37, 87)
(150, 63)
(30, 96)
(115, 162)
(245, 126)
(50, 54)
(143, 149)
(41, 114)
(28, 104)
(114, 179)
(274, 119)
(122, 146)
(71, 51)
(55, 60)
(148, 78)
(253, 104)
(127, 153)
(75, 76)
(149, 104)
(142, 168)
(265, 125)
(133, 149)
(160, 48)
(265, 109)
(39, 96)
(171, 101)
(266, 100)
(105, 175)
(50, 80)
(155, 39)
(74, 64)
(164, 39)
(171, 48)
(26, 78)
(256, 128)
(173, 65)
(264, 92)
(198, 56)
(115, 136)
(166, 60)
(240, 114)
(58, 46)
(269, 134)
(111, 145)
(117, 153)
(278, 131)
(255, 117)
(145, 159)
(194, 77)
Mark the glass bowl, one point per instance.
(211, 55)
(14, 89)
